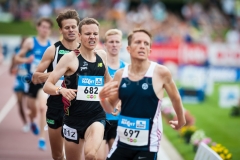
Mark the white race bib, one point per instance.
(34, 65)
(69, 132)
(89, 87)
(133, 131)
(22, 70)
(26, 87)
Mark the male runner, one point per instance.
(84, 75)
(36, 46)
(140, 87)
(68, 25)
(20, 71)
(113, 44)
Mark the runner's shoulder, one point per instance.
(28, 42)
(70, 56)
(101, 53)
(118, 74)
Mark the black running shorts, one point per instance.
(73, 134)
(33, 89)
(54, 117)
(112, 131)
(119, 153)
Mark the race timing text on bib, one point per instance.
(133, 131)
(89, 87)
(34, 65)
(69, 132)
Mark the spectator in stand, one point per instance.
(45, 9)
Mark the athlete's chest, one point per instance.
(91, 68)
(141, 88)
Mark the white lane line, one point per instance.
(7, 107)
(162, 154)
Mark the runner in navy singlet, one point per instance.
(85, 73)
(140, 87)
(68, 25)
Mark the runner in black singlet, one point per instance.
(68, 25)
(85, 73)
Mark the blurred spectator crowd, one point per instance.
(202, 22)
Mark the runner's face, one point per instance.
(90, 36)
(44, 29)
(69, 29)
(140, 46)
(113, 44)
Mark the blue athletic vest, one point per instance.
(140, 122)
(38, 51)
(22, 69)
(112, 73)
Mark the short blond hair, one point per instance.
(111, 32)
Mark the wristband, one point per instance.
(58, 90)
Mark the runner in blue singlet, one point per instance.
(113, 44)
(20, 86)
(36, 46)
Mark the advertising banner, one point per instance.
(195, 54)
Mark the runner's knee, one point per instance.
(90, 155)
(42, 108)
(58, 156)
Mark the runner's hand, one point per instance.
(109, 89)
(30, 59)
(69, 94)
(176, 125)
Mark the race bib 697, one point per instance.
(133, 131)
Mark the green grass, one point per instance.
(17, 28)
(215, 121)
(186, 150)
(24, 28)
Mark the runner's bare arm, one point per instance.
(61, 68)
(1, 54)
(173, 94)
(109, 93)
(39, 76)
(12, 65)
(21, 56)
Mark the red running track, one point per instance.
(15, 144)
